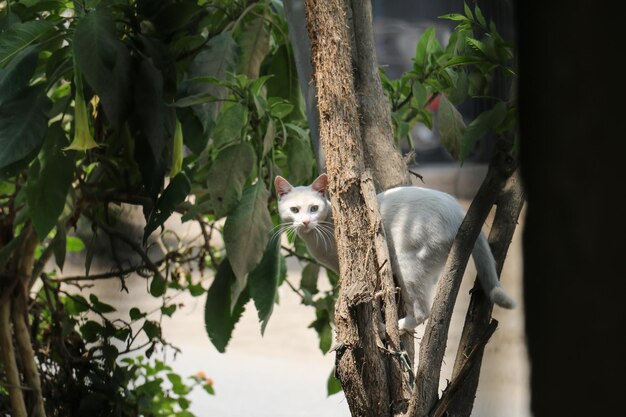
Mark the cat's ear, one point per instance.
(282, 186)
(320, 184)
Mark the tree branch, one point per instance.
(477, 319)
(433, 344)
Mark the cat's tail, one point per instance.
(486, 268)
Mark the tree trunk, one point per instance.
(361, 365)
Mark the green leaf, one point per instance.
(324, 331)
(280, 110)
(158, 285)
(230, 125)
(479, 17)
(453, 16)
(177, 151)
(451, 126)
(175, 193)
(333, 385)
(151, 117)
(419, 92)
(49, 180)
(227, 177)
(15, 77)
(285, 82)
(246, 233)
(19, 37)
(91, 331)
(74, 244)
(299, 159)
(219, 320)
(59, 246)
(23, 124)
(75, 305)
(136, 314)
(268, 138)
(169, 310)
(216, 60)
(100, 307)
(104, 60)
(464, 60)
(310, 274)
(152, 329)
(479, 127)
(254, 43)
(178, 386)
(263, 282)
(421, 50)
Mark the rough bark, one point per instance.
(360, 360)
(478, 317)
(433, 344)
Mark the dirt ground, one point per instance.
(284, 374)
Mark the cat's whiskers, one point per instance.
(287, 227)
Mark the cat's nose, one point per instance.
(305, 222)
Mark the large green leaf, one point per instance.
(427, 45)
(284, 83)
(230, 125)
(263, 282)
(227, 177)
(246, 233)
(451, 126)
(104, 60)
(19, 37)
(485, 122)
(299, 159)
(15, 76)
(49, 179)
(175, 193)
(219, 319)
(149, 115)
(254, 42)
(216, 60)
(23, 124)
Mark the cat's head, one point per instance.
(305, 207)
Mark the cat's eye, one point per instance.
(295, 210)
(314, 209)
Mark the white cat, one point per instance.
(420, 226)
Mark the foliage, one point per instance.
(446, 77)
(170, 106)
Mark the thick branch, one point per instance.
(478, 316)
(434, 342)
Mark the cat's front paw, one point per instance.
(407, 324)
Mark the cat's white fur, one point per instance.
(420, 226)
